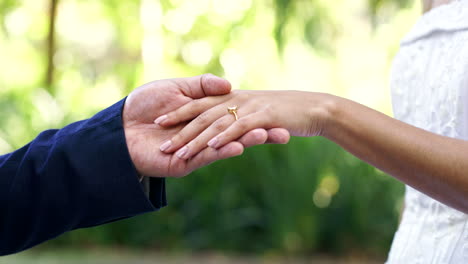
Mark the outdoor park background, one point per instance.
(64, 60)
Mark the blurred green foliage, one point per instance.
(309, 196)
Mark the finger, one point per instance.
(239, 128)
(189, 111)
(261, 136)
(278, 136)
(254, 137)
(191, 131)
(199, 142)
(210, 155)
(204, 85)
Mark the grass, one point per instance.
(123, 256)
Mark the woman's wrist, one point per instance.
(322, 114)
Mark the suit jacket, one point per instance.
(75, 177)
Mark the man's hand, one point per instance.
(159, 97)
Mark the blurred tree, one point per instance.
(314, 18)
(49, 78)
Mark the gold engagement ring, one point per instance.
(233, 110)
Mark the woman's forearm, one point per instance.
(433, 164)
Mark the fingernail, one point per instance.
(182, 153)
(160, 119)
(165, 145)
(213, 142)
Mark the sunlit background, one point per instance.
(64, 60)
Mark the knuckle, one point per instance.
(220, 124)
(242, 124)
(268, 109)
(202, 119)
(180, 138)
(206, 80)
(269, 112)
(192, 108)
(196, 104)
(242, 96)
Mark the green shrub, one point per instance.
(308, 196)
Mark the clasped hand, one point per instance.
(211, 124)
(151, 100)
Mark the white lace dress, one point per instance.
(430, 91)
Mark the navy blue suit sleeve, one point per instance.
(79, 176)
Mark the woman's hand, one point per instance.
(301, 113)
(143, 137)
